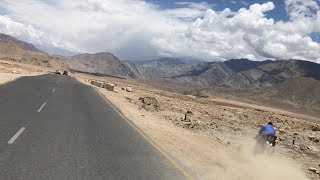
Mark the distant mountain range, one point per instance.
(108, 64)
(234, 73)
(289, 80)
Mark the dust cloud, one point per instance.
(242, 164)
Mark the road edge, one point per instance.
(186, 171)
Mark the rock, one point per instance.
(282, 131)
(194, 125)
(313, 139)
(149, 103)
(129, 99)
(109, 86)
(303, 147)
(312, 169)
(315, 128)
(101, 84)
(129, 89)
(123, 88)
(186, 118)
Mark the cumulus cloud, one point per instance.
(136, 29)
(27, 32)
(189, 10)
(248, 33)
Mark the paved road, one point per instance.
(53, 127)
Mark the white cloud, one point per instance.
(233, 2)
(135, 29)
(189, 11)
(300, 9)
(27, 32)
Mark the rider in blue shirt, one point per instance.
(268, 132)
(268, 129)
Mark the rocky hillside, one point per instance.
(236, 73)
(304, 91)
(9, 40)
(16, 50)
(272, 74)
(161, 63)
(108, 64)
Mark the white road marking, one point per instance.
(53, 90)
(42, 106)
(11, 141)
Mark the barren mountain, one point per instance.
(9, 40)
(235, 73)
(291, 83)
(273, 73)
(161, 63)
(15, 50)
(300, 91)
(107, 64)
(214, 73)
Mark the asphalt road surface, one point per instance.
(54, 127)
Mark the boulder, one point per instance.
(100, 84)
(313, 139)
(315, 128)
(129, 89)
(149, 103)
(303, 147)
(312, 169)
(109, 86)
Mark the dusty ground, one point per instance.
(10, 71)
(217, 143)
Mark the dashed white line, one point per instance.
(58, 80)
(42, 106)
(11, 141)
(53, 90)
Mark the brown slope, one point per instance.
(6, 39)
(273, 73)
(19, 51)
(108, 64)
(301, 94)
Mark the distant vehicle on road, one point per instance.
(65, 72)
(57, 72)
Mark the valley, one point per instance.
(226, 102)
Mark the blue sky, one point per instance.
(279, 13)
(141, 30)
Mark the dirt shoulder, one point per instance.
(217, 139)
(10, 71)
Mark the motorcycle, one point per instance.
(265, 144)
